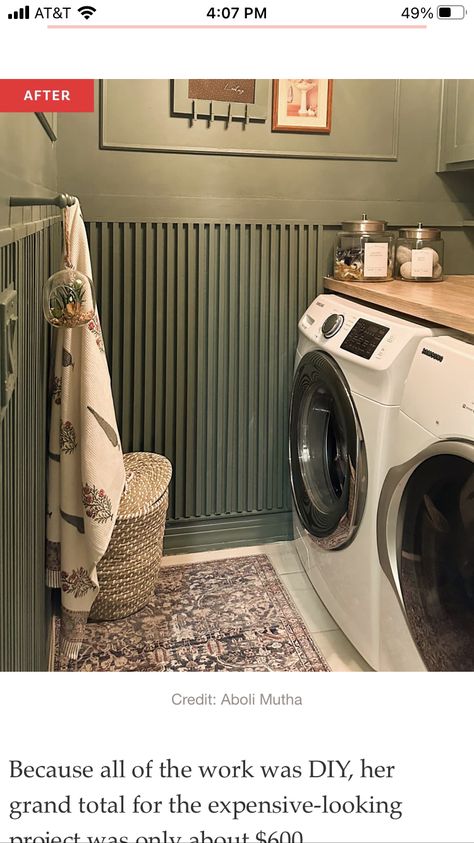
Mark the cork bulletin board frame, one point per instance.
(244, 100)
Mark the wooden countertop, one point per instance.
(449, 303)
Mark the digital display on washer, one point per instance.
(364, 338)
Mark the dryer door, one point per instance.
(327, 457)
(428, 551)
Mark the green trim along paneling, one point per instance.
(24, 602)
(200, 325)
(215, 533)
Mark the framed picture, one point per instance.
(302, 105)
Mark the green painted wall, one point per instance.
(28, 166)
(118, 185)
(381, 158)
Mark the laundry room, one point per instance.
(236, 343)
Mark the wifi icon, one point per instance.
(86, 11)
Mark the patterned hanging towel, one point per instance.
(86, 472)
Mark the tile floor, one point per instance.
(336, 648)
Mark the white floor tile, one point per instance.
(284, 558)
(307, 602)
(339, 652)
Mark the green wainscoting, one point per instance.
(200, 325)
(24, 602)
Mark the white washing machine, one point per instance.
(426, 517)
(350, 370)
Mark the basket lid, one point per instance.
(147, 479)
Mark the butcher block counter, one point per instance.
(449, 303)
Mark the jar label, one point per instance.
(421, 263)
(376, 260)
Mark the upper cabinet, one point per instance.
(456, 134)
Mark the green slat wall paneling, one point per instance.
(20, 505)
(148, 329)
(190, 445)
(201, 355)
(158, 339)
(273, 333)
(243, 322)
(24, 600)
(320, 262)
(6, 532)
(302, 239)
(252, 373)
(231, 439)
(284, 264)
(181, 340)
(222, 295)
(101, 251)
(138, 313)
(202, 296)
(294, 292)
(210, 445)
(92, 234)
(263, 358)
(127, 349)
(169, 397)
(116, 328)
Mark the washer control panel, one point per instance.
(332, 325)
(364, 338)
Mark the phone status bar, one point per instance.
(207, 16)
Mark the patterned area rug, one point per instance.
(224, 615)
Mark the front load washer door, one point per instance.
(433, 541)
(328, 463)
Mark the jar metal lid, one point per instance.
(421, 233)
(364, 226)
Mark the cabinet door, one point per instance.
(456, 148)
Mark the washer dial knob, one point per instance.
(332, 325)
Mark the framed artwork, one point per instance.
(49, 123)
(302, 105)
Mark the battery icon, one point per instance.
(451, 12)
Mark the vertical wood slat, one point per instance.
(24, 601)
(200, 325)
(183, 385)
(148, 329)
(190, 443)
(201, 374)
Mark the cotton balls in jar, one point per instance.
(405, 267)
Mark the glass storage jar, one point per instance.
(364, 251)
(419, 254)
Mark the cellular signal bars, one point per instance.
(21, 14)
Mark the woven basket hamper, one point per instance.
(128, 571)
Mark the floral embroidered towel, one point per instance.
(86, 472)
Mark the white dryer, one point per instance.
(426, 517)
(350, 370)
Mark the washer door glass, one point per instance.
(436, 561)
(327, 458)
